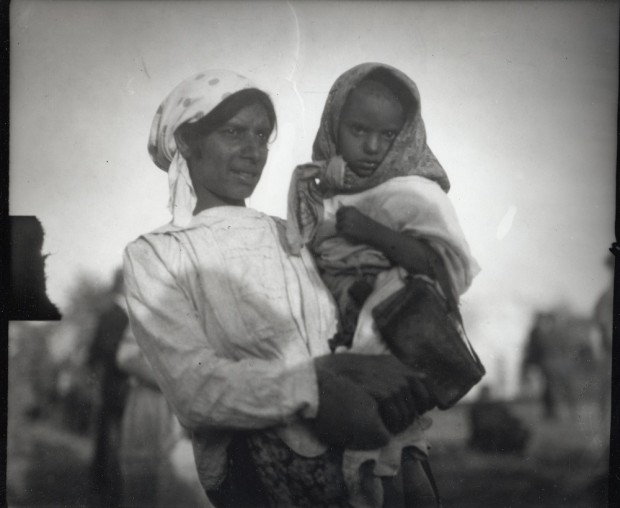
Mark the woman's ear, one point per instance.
(183, 145)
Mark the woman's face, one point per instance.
(228, 163)
(371, 119)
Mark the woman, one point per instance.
(214, 299)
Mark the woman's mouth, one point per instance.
(249, 177)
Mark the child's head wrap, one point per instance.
(190, 101)
(409, 153)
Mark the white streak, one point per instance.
(506, 223)
(291, 77)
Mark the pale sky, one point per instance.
(519, 101)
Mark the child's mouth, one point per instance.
(365, 168)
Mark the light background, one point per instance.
(519, 101)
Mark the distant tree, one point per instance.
(79, 383)
(88, 295)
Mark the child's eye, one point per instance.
(357, 130)
(231, 131)
(389, 135)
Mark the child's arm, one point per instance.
(413, 254)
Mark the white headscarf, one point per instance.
(190, 101)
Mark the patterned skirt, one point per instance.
(291, 480)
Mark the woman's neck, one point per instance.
(207, 199)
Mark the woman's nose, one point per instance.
(253, 147)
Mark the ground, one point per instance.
(48, 466)
(557, 468)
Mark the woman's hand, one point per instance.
(347, 417)
(353, 225)
(396, 394)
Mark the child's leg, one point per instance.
(393, 495)
(408, 489)
(419, 486)
(350, 293)
(419, 492)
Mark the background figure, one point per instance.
(493, 427)
(28, 299)
(547, 351)
(156, 457)
(110, 328)
(603, 317)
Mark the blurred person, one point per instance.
(109, 330)
(77, 392)
(547, 351)
(156, 458)
(603, 315)
(604, 319)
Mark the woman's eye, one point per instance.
(357, 130)
(231, 131)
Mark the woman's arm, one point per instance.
(349, 396)
(205, 389)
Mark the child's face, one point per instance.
(370, 121)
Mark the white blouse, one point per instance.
(230, 324)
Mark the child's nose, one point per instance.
(372, 144)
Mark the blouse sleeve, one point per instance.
(204, 389)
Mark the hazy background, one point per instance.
(519, 100)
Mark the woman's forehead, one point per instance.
(251, 114)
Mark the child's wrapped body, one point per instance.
(373, 211)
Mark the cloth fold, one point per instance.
(310, 183)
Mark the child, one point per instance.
(373, 209)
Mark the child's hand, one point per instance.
(353, 225)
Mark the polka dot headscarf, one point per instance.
(190, 101)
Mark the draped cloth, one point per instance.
(328, 174)
(191, 100)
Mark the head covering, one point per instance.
(329, 174)
(409, 153)
(190, 101)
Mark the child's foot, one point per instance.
(360, 290)
(340, 339)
